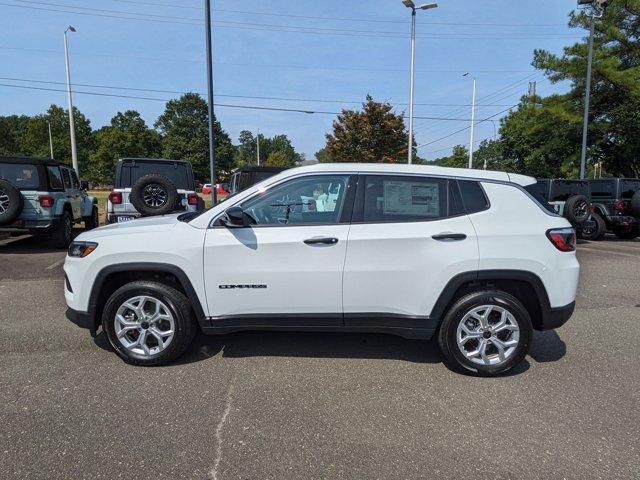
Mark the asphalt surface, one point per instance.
(339, 406)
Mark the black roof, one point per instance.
(152, 160)
(31, 161)
(613, 179)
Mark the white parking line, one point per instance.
(54, 265)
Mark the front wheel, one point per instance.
(148, 323)
(596, 231)
(485, 333)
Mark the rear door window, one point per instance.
(404, 199)
(55, 178)
(628, 188)
(75, 183)
(20, 175)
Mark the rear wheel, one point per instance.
(485, 333)
(148, 323)
(92, 221)
(595, 232)
(63, 234)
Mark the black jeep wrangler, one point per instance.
(568, 198)
(616, 206)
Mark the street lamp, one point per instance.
(72, 126)
(602, 4)
(212, 135)
(473, 119)
(413, 7)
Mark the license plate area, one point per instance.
(125, 218)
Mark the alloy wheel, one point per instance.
(488, 335)
(154, 195)
(144, 325)
(4, 201)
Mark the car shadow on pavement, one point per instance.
(31, 244)
(547, 347)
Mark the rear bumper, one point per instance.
(556, 317)
(623, 221)
(31, 226)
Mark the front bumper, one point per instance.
(82, 319)
(556, 317)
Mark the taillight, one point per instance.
(115, 198)
(45, 201)
(192, 199)
(564, 239)
(621, 206)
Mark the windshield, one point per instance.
(178, 173)
(22, 176)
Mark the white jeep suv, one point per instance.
(468, 256)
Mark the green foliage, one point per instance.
(376, 134)
(278, 159)
(185, 135)
(246, 153)
(458, 159)
(127, 136)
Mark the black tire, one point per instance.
(597, 231)
(154, 194)
(178, 305)
(63, 234)
(92, 221)
(634, 232)
(635, 205)
(11, 202)
(447, 333)
(577, 209)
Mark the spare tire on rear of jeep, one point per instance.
(635, 204)
(154, 194)
(577, 209)
(11, 202)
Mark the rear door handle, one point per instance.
(449, 237)
(321, 241)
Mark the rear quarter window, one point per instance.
(602, 189)
(538, 197)
(628, 188)
(473, 196)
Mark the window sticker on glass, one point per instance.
(405, 198)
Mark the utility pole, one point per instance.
(212, 135)
(50, 141)
(72, 126)
(413, 7)
(258, 147)
(532, 93)
(587, 99)
(473, 122)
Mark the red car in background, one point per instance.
(222, 190)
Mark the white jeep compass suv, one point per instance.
(467, 256)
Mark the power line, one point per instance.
(363, 68)
(251, 97)
(341, 19)
(119, 14)
(250, 107)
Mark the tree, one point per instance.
(246, 150)
(614, 131)
(278, 159)
(127, 136)
(185, 136)
(375, 134)
(322, 156)
(459, 158)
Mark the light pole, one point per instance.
(50, 141)
(413, 7)
(212, 137)
(587, 97)
(72, 126)
(258, 147)
(473, 120)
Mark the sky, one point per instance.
(314, 56)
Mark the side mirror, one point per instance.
(84, 185)
(235, 217)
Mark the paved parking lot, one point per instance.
(294, 405)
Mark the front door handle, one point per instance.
(321, 241)
(449, 237)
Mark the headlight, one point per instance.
(81, 249)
